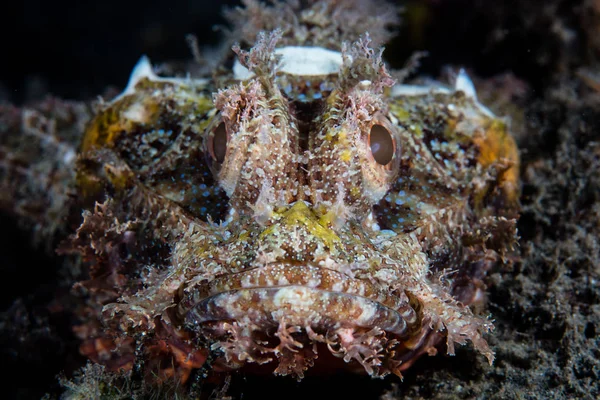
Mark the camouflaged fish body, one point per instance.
(299, 205)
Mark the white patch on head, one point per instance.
(143, 69)
(416, 90)
(462, 84)
(465, 84)
(301, 61)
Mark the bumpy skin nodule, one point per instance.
(294, 238)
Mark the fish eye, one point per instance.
(382, 144)
(217, 142)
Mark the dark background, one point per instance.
(75, 49)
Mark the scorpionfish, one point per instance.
(297, 208)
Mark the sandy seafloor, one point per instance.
(534, 61)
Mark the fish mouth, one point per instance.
(281, 308)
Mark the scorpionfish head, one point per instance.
(300, 209)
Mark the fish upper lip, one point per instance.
(279, 279)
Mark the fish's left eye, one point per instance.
(382, 144)
(217, 143)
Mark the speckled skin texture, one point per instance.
(298, 242)
(319, 246)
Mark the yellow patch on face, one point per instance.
(346, 155)
(399, 112)
(144, 108)
(355, 191)
(498, 146)
(300, 215)
(123, 116)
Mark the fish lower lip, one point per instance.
(302, 295)
(298, 306)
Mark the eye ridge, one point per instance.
(382, 144)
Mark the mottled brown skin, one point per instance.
(320, 248)
(258, 223)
